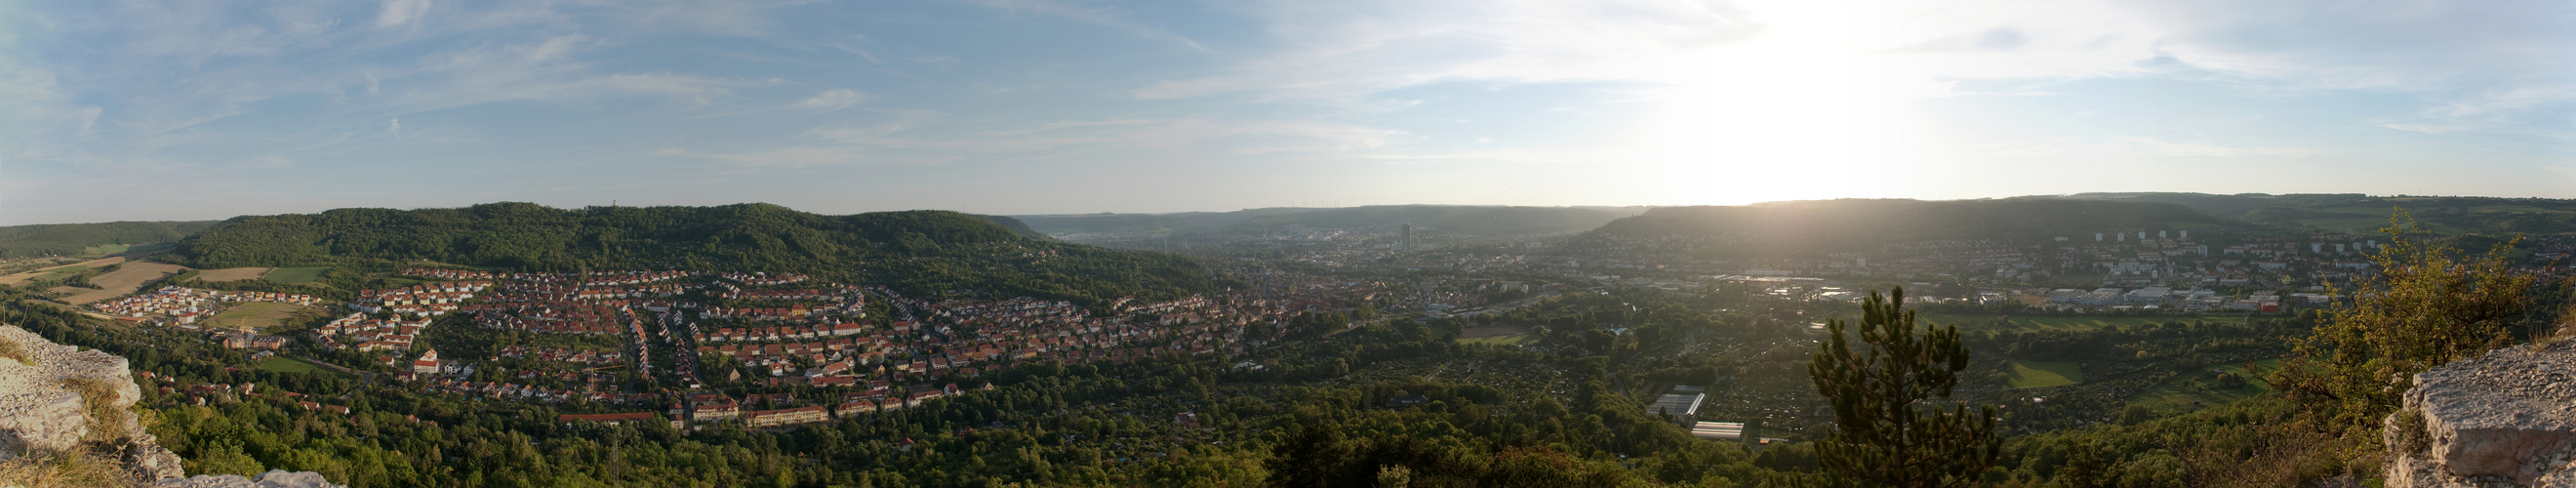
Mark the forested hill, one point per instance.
(1826, 222)
(1459, 220)
(18, 241)
(1462, 220)
(925, 251)
(2488, 216)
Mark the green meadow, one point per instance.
(2037, 374)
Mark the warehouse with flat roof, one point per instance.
(1677, 407)
(1725, 431)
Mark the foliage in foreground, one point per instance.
(1884, 434)
(2428, 305)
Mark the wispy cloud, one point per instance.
(2159, 147)
(1100, 16)
(399, 12)
(834, 99)
(916, 138)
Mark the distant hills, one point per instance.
(2364, 213)
(1455, 220)
(19, 241)
(917, 250)
(1839, 224)
(1830, 223)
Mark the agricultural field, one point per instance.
(2079, 322)
(2040, 374)
(232, 274)
(124, 281)
(2194, 390)
(21, 278)
(295, 276)
(260, 316)
(127, 249)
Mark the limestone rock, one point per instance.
(277, 478)
(40, 412)
(2504, 419)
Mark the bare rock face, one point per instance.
(41, 412)
(2504, 419)
(277, 478)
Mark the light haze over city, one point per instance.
(206, 109)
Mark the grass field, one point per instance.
(255, 315)
(232, 274)
(123, 281)
(60, 272)
(106, 249)
(295, 276)
(2193, 391)
(285, 364)
(1502, 340)
(2036, 374)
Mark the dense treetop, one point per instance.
(937, 250)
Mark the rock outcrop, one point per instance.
(43, 409)
(277, 478)
(2504, 419)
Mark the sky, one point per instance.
(207, 109)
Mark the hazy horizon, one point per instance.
(206, 110)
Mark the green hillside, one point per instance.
(2362, 213)
(1458, 220)
(924, 251)
(1108, 222)
(18, 241)
(1015, 225)
(1470, 221)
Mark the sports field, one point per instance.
(285, 364)
(1501, 340)
(295, 276)
(2036, 374)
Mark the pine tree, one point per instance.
(1887, 430)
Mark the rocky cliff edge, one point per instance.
(2506, 419)
(46, 398)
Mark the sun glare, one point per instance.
(1774, 117)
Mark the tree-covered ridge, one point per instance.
(930, 251)
(18, 241)
(1468, 220)
(1464, 220)
(1823, 222)
(2444, 215)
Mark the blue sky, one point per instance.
(206, 109)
